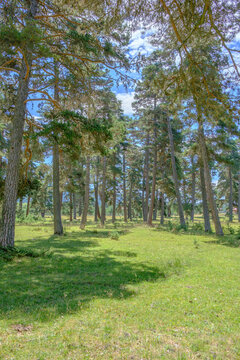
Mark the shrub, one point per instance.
(115, 235)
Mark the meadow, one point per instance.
(121, 292)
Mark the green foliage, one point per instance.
(115, 235)
(11, 253)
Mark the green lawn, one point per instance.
(152, 294)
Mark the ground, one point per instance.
(123, 292)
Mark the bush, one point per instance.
(115, 235)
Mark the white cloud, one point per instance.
(127, 100)
(140, 43)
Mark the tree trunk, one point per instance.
(156, 206)
(152, 201)
(86, 195)
(80, 206)
(143, 204)
(230, 207)
(146, 178)
(207, 224)
(114, 194)
(130, 202)
(58, 228)
(103, 207)
(239, 196)
(12, 173)
(162, 208)
(193, 188)
(57, 199)
(175, 177)
(208, 182)
(20, 203)
(124, 188)
(96, 191)
(74, 206)
(70, 206)
(28, 205)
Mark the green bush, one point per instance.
(115, 235)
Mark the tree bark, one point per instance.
(103, 207)
(162, 208)
(146, 178)
(28, 205)
(193, 188)
(207, 224)
(124, 188)
(70, 206)
(239, 196)
(58, 228)
(175, 177)
(156, 206)
(130, 202)
(57, 198)
(230, 206)
(154, 174)
(86, 195)
(12, 173)
(96, 213)
(114, 194)
(208, 182)
(74, 206)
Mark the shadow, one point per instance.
(42, 289)
(232, 242)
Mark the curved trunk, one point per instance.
(103, 207)
(230, 206)
(86, 195)
(12, 173)
(207, 224)
(175, 177)
(208, 182)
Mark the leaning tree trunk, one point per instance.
(124, 188)
(175, 177)
(86, 195)
(146, 178)
(230, 206)
(239, 197)
(208, 182)
(103, 197)
(20, 204)
(162, 208)
(193, 188)
(12, 173)
(207, 224)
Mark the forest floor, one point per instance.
(153, 293)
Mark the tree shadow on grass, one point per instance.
(42, 289)
(230, 241)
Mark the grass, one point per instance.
(150, 294)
